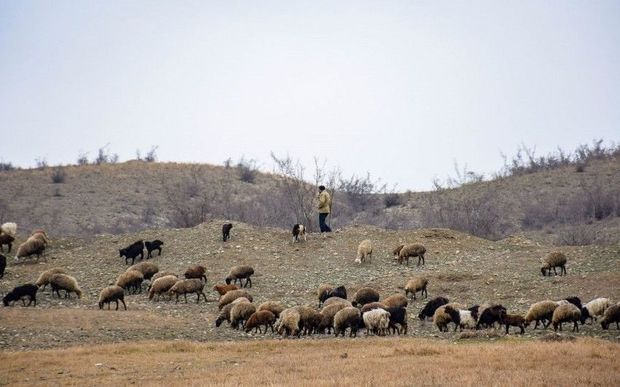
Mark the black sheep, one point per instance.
(6, 239)
(431, 306)
(132, 251)
(2, 265)
(575, 301)
(491, 315)
(152, 246)
(226, 231)
(340, 291)
(20, 292)
(455, 316)
(398, 316)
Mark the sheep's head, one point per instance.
(584, 315)
(228, 280)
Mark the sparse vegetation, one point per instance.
(59, 175)
(5, 167)
(104, 156)
(247, 170)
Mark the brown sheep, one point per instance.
(233, 295)
(196, 271)
(223, 289)
(328, 312)
(162, 285)
(373, 305)
(395, 301)
(274, 307)
(553, 260)
(415, 285)
(32, 246)
(323, 292)
(131, 279)
(513, 320)
(44, 278)
(112, 293)
(364, 250)
(365, 296)
(412, 250)
(148, 269)
(192, 285)
(239, 273)
(260, 318)
(396, 251)
(65, 282)
(240, 313)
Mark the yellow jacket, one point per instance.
(325, 202)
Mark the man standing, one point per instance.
(325, 206)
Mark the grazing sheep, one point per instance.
(337, 300)
(32, 246)
(192, 285)
(540, 312)
(376, 321)
(309, 319)
(323, 292)
(223, 289)
(396, 251)
(160, 274)
(396, 301)
(65, 282)
(9, 228)
(490, 315)
(132, 251)
(611, 315)
(233, 295)
(226, 231)
(340, 291)
(364, 296)
(224, 315)
(431, 306)
(148, 269)
(514, 320)
(6, 239)
(415, 285)
(398, 320)
(553, 260)
(152, 246)
(44, 278)
(196, 271)
(131, 280)
(288, 323)
(455, 316)
(467, 319)
(566, 313)
(240, 312)
(299, 230)
(19, 292)
(413, 250)
(274, 307)
(162, 285)
(2, 265)
(445, 314)
(575, 301)
(260, 318)
(40, 235)
(328, 312)
(239, 273)
(112, 293)
(364, 250)
(371, 306)
(594, 309)
(349, 317)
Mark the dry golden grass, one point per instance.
(365, 361)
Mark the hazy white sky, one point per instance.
(397, 88)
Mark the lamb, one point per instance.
(349, 317)
(162, 285)
(233, 295)
(376, 321)
(19, 292)
(594, 309)
(6, 239)
(396, 301)
(540, 312)
(328, 312)
(32, 246)
(239, 273)
(396, 251)
(44, 278)
(241, 312)
(323, 292)
(196, 271)
(337, 300)
(2, 265)
(132, 251)
(148, 269)
(226, 231)
(371, 306)
(274, 307)
(131, 280)
(223, 289)
(152, 246)
(566, 313)
(260, 318)
(611, 315)
(431, 306)
(65, 282)
(514, 320)
(112, 293)
(364, 296)
(299, 230)
(553, 260)
(412, 250)
(364, 250)
(491, 315)
(415, 285)
(398, 320)
(288, 323)
(192, 285)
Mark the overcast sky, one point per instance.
(400, 89)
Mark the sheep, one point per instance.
(131, 280)
(396, 251)
(274, 307)
(467, 319)
(309, 319)
(398, 316)
(395, 301)
(490, 315)
(9, 228)
(19, 292)
(566, 313)
(594, 309)
(148, 269)
(112, 293)
(288, 323)
(233, 295)
(132, 251)
(2, 265)
(260, 318)
(152, 246)
(447, 314)
(192, 285)
(364, 296)
(575, 301)
(328, 312)
(540, 312)
(377, 321)
(340, 291)
(40, 235)
(611, 315)
(514, 320)
(323, 292)
(371, 306)
(431, 306)
(161, 285)
(349, 317)
(32, 246)
(239, 273)
(240, 312)
(299, 230)
(223, 289)
(553, 260)
(364, 250)
(44, 278)
(415, 285)
(6, 239)
(224, 314)
(226, 231)
(196, 271)
(160, 274)
(65, 282)
(337, 300)
(413, 250)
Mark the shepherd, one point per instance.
(325, 207)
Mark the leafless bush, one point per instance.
(82, 158)
(360, 191)
(151, 156)
(40, 163)
(59, 175)
(576, 236)
(6, 167)
(104, 156)
(228, 163)
(392, 199)
(247, 170)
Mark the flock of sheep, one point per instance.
(335, 311)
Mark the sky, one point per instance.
(398, 89)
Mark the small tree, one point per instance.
(247, 170)
(59, 175)
(151, 156)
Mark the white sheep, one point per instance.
(594, 309)
(377, 321)
(364, 250)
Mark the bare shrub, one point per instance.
(392, 199)
(104, 156)
(247, 170)
(360, 191)
(41, 163)
(151, 156)
(6, 167)
(576, 236)
(82, 158)
(59, 175)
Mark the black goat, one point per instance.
(19, 292)
(431, 306)
(226, 231)
(132, 251)
(152, 246)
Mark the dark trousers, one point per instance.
(322, 225)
